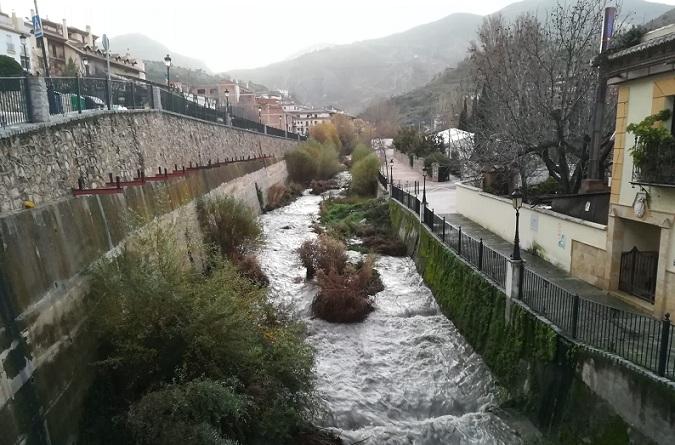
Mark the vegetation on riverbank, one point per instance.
(346, 218)
(191, 351)
(312, 160)
(345, 289)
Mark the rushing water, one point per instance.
(403, 376)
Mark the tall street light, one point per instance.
(227, 106)
(167, 62)
(259, 114)
(391, 173)
(424, 186)
(517, 201)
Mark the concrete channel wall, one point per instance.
(45, 253)
(573, 393)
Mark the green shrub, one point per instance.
(160, 321)
(360, 152)
(438, 157)
(364, 176)
(228, 224)
(312, 160)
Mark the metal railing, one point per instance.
(78, 94)
(14, 101)
(641, 339)
(658, 166)
(206, 109)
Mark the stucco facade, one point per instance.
(645, 88)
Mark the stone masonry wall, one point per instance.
(43, 162)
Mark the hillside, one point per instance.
(352, 76)
(145, 48)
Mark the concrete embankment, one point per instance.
(573, 393)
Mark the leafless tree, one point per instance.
(539, 87)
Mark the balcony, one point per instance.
(655, 166)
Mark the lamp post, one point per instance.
(391, 173)
(167, 62)
(24, 63)
(85, 62)
(424, 186)
(517, 201)
(259, 114)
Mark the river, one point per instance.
(403, 376)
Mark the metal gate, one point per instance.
(638, 273)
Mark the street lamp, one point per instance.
(424, 186)
(259, 114)
(391, 173)
(167, 62)
(227, 106)
(85, 62)
(22, 37)
(517, 201)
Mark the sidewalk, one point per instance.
(441, 198)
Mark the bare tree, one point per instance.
(539, 88)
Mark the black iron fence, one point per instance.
(641, 339)
(14, 101)
(78, 94)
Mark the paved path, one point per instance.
(441, 198)
(440, 195)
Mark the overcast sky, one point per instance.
(230, 34)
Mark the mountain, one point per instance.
(145, 48)
(666, 19)
(310, 49)
(352, 76)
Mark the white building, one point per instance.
(301, 120)
(11, 29)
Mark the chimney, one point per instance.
(16, 23)
(89, 38)
(64, 30)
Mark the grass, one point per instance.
(368, 219)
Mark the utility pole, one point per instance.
(595, 177)
(37, 28)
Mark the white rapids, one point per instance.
(403, 376)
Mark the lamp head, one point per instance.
(167, 60)
(391, 162)
(22, 37)
(227, 93)
(517, 199)
(85, 61)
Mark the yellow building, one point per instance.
(640, 235)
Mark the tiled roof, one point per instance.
(652, 43)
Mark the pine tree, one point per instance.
(463, 123)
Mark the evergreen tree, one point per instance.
(463, 123)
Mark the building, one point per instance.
(640, 232)
(72, 51)
(271, 111)
(301, 119)
(11, 44)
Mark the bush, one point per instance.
(323, 254)
(361, 151)
(345, 298)
(249, 267)
(280, 195)
(312, 160)
(10, 67)
(228, 224)
(438, 157)
(191, 412)
(169, 336)
(320, 186)
(364, 176)
(326, 133)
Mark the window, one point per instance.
(201, 91)
(10, 44)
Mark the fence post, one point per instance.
(480, 255)
(444, 229)
(664, 346)
(156, 98)
(133, 94)
(39, 98)
(79, 94)
(575, 315)
(29, 103)
(459, 242)
(108, 92)
(513, 284)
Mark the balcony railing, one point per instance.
(658, 167)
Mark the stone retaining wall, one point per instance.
(43, 162)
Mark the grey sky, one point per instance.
(231, 34)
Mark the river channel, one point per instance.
(403, 376)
